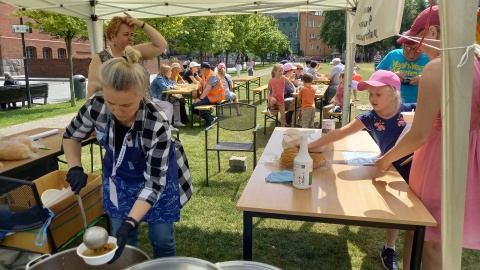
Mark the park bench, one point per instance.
(272, 115)
(18, 93)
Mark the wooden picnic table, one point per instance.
(245, 82)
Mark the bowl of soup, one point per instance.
(98, 256)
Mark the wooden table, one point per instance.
(184, 92)
(320, 92)
(342, 194)
(53, 143)
(321, 80)
(245, 82)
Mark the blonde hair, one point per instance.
(124, 73)
(164, 69)
(298, 65)
(113, 26)
(222, 72)
(396, 94)
(275, 68)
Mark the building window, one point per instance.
(62, 53)
(47, 53)
(318, 47)
(309, 22)
(290, 35)
(291, 24)
(314, 23)
(284, 24)
(311, 46)
(31, 53)
(312, 35)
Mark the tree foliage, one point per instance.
(333, 29)
(59, 26)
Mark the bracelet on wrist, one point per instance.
(131, 219)
(143, 25)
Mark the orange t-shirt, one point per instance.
(307, 94)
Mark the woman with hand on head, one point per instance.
(120, 32)
(146, 177)
(425, 138)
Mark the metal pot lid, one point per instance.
(175, 263)
(245, 265)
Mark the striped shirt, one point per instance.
(151, 129)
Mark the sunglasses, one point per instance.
(409, 48)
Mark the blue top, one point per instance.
(159, 84)
(385, 132)
(396, 62)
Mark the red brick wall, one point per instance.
(11, 44)
(57, 68)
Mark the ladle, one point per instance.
(94, 237)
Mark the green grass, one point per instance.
(10, 117)
(211, 228)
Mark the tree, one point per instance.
(267, 38)
(59, 26)
(202, 34)
(333, 31)
(170, 28)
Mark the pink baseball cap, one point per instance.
(420, 23)
(221, 65)
(381, 78)
(288, 67)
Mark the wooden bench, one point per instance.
(258, 91)
(18, 93)
(207, 109)
(338, 115)
(236, 87)
(272, 115)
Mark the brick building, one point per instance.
(42, 50)
(303, 30)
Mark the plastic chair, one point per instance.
(227, 121)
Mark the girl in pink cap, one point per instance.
(425, 138)
(385, 123)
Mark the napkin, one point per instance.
(285, 177)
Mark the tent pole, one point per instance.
(349, 58)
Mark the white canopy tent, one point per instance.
(457, 32)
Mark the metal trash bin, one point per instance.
(80, 86)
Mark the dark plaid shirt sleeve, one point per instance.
(90, 115)
(156, 140)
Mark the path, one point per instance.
(59, 91)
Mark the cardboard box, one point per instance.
(68, 220)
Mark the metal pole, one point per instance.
(27, 84)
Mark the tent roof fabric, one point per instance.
(176, 8)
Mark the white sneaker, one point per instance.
(178, 124)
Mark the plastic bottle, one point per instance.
(303, 164)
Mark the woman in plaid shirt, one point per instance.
(146, 177)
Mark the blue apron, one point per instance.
(129, 181)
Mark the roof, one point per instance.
(154, 8)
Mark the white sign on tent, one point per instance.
(376, 20)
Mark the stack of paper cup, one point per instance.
(328, 125)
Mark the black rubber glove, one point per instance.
(122, 236)
(77, 179)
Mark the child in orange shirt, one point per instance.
(307, 95)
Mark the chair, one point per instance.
(20, 207)
(229, 121)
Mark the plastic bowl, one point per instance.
(49, 194)
(408, 117)
(98, 260)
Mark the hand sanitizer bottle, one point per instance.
(303, 164)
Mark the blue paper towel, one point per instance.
(285, 177)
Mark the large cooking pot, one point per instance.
(245, 265)
(68, 259)
(175, 263)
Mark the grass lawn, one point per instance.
(211, 228)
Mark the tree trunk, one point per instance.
(68, 42)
